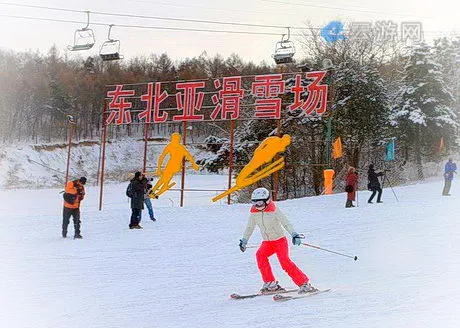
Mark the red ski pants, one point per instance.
(281, 249)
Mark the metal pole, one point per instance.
(70, 125)
(328, 140)
(230, 157)
(146, 136)
(104, 138)
(100, 156)
(357, 188)
(275, 175)
(184, 141)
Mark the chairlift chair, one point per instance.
(284, 51)
(110, 49)
(83, 39)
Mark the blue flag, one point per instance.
(390, 154)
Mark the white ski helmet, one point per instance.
(260, 194)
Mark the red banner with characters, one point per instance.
(261, 96)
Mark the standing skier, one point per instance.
(147, 202)
(374, 184)
(449, 170)
(74, 194)
(271, 222)
(351, 186)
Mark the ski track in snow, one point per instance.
(181, 270)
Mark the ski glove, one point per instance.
(297, 238)
(243, 243)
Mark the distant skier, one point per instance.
(271, 222)
(449, 169)
(74, 194)
(148, 188)
(374, 184)
(351, 186)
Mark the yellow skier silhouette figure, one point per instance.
(263, 154)
(177, 153)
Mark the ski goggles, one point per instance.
(259, 203)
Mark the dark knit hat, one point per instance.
(83, 180)
(137, 174)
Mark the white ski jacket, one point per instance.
(271, 222)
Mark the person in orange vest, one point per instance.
(74, 194)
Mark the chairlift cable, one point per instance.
(160, 17)
(344, 8)
(196, 21)
(144, 26)
(172, 19)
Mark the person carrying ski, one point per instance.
(271, 222)
(350, 187)
(449, 170)
(74, 194)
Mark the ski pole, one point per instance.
(334, 252)
(250, 247)
(392, 189)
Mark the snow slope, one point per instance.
(180, 270)
(44, 165)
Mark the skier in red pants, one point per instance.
(271, 222)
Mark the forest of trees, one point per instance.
(377, 92)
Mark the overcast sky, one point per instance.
(438, 18)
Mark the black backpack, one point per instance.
(129, 190)
(69, 198)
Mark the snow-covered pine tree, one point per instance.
(361, 110)
(447, 53)
(424, 110)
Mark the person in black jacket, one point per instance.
(137, 200)
(374, 184)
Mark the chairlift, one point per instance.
(83, 39)
(327, 64)
(110, 49)
(284, 50)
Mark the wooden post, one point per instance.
(104, 138)
(184, 141)
(230, 157)
(276, 174)
(70, 126)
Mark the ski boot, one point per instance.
(307, 288)
(270, 288)
(77, 236)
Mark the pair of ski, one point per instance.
(280, 296)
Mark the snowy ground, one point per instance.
(180, 270)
